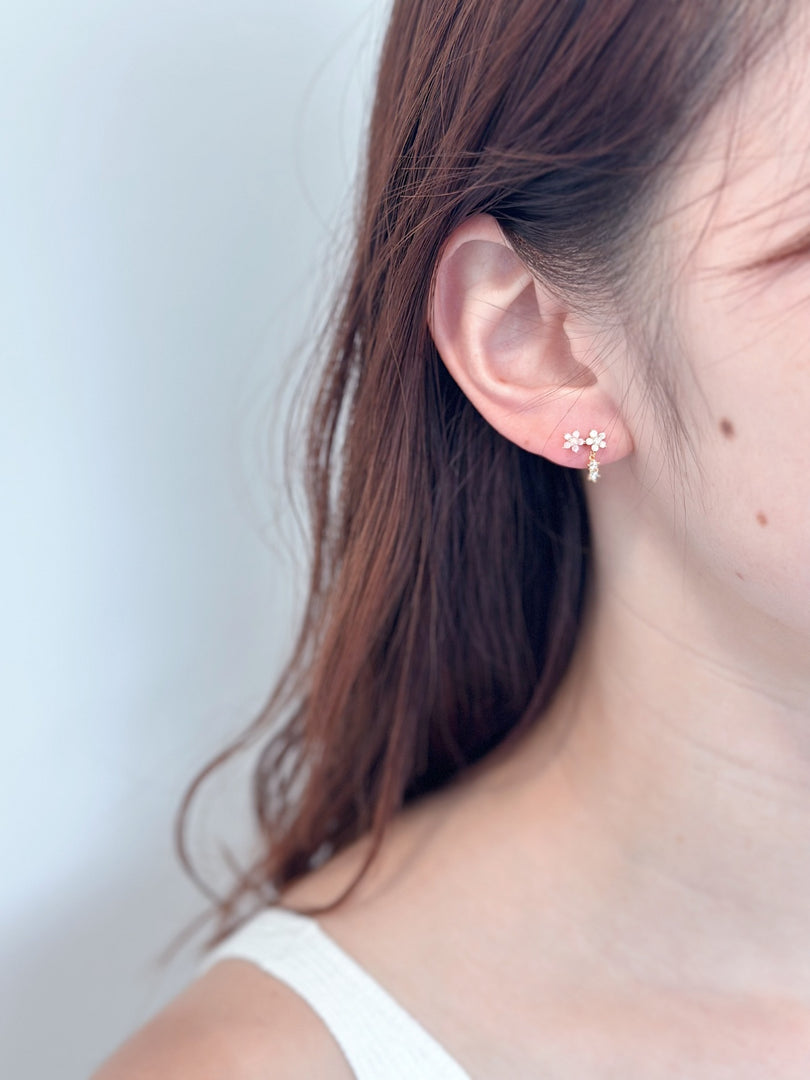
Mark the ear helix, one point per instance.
(596, 441)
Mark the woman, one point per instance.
(549, 808)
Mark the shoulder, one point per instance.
(236, 1021)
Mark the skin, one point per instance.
(684, 767)
(625, 892)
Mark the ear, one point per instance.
(522, 357)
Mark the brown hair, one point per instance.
(449, 566)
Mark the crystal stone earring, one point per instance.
(596, 441)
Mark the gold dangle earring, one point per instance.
(596, 441)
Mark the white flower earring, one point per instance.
(596, 441)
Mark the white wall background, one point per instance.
(170, 175)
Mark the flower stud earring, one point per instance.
(596, 442)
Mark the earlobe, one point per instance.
(517, 351)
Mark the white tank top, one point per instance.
(380, 1039)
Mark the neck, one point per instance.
(685, 770)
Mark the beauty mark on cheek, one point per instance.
(761, 518)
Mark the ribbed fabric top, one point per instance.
(380, 1039)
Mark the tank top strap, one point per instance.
(379, 1038)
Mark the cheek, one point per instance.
(749, 414)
